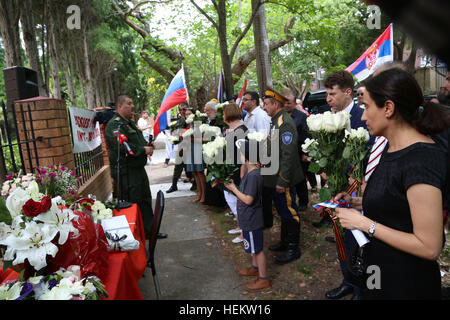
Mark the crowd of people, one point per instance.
(404, 202)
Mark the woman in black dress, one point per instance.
(402, 201)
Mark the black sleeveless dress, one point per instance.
(403, 276)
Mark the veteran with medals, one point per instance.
(289, 174)
(134, 185)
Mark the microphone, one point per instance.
(123, 141)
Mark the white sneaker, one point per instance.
(237, 240)
(229, 214)
(234, 231)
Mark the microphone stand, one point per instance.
(121, 204)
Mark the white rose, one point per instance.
(328, 122)
(307, 144)
(190, 119)
(188, 133)
(256, 135)
(314, 122)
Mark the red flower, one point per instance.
(33, 208)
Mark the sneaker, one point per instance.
(234, 231)
(258, 284)
(237, 240)
(229, 214)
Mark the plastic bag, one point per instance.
(88, 249)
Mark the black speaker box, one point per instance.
(20, 83)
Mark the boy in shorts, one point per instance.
(249, 208)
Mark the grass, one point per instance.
(305, 269)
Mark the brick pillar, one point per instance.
(104, 148)
(50, 121)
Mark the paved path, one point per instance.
(189, 263)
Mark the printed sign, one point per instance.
(85, 132)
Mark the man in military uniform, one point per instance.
(133, 185)
(289, 174)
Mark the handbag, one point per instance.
(357, 265)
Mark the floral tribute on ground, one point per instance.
(44, 227)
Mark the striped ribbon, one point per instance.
(375, 155)
(337, 233)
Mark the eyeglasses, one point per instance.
(360, 94)
(245, 99)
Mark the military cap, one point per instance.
(271, 93)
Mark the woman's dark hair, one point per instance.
(402, 88)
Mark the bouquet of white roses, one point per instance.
(215, 154)
(100, 212)
(61, 285)
(35, 227)
(219, 117)
(357, 151)
(326, 150)
(197, 116)
(173, 140)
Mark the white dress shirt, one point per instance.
(258, 120)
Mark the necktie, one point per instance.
(375, 155)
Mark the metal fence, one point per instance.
(14, 145)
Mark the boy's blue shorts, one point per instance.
(253, 240)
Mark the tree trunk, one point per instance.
(263, 64)
(54, 61)
(31, 49)
(88, 78)
(9, 25)
(226, 60)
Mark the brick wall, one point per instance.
(50, 121)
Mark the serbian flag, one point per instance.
(381, 51)
(176, 94)
(239, 98)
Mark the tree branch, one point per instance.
(244, 32)
(206, 15)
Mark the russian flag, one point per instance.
(176, 94)
(221, 95)
(380, 52)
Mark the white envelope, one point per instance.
(119, 235)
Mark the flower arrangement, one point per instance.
(36, 226)
(61, 285)
(326, 150)
(20, 181)
(357, 151)
(57, 180)
(257, 136)
(174, 140)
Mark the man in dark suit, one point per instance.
(339, 87)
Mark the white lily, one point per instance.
(34, 244)
(61, 220)
(12, 293)
(16, 201)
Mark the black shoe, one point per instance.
(325, 220)
(280, 246)
(330, 239)
(186, 180)
(339, 292)
(292, 254)
(162, 235)
(356, 296)
(172, 189)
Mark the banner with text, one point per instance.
(85, 132)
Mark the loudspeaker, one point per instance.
(20, 83)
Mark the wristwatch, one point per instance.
(372, 229)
